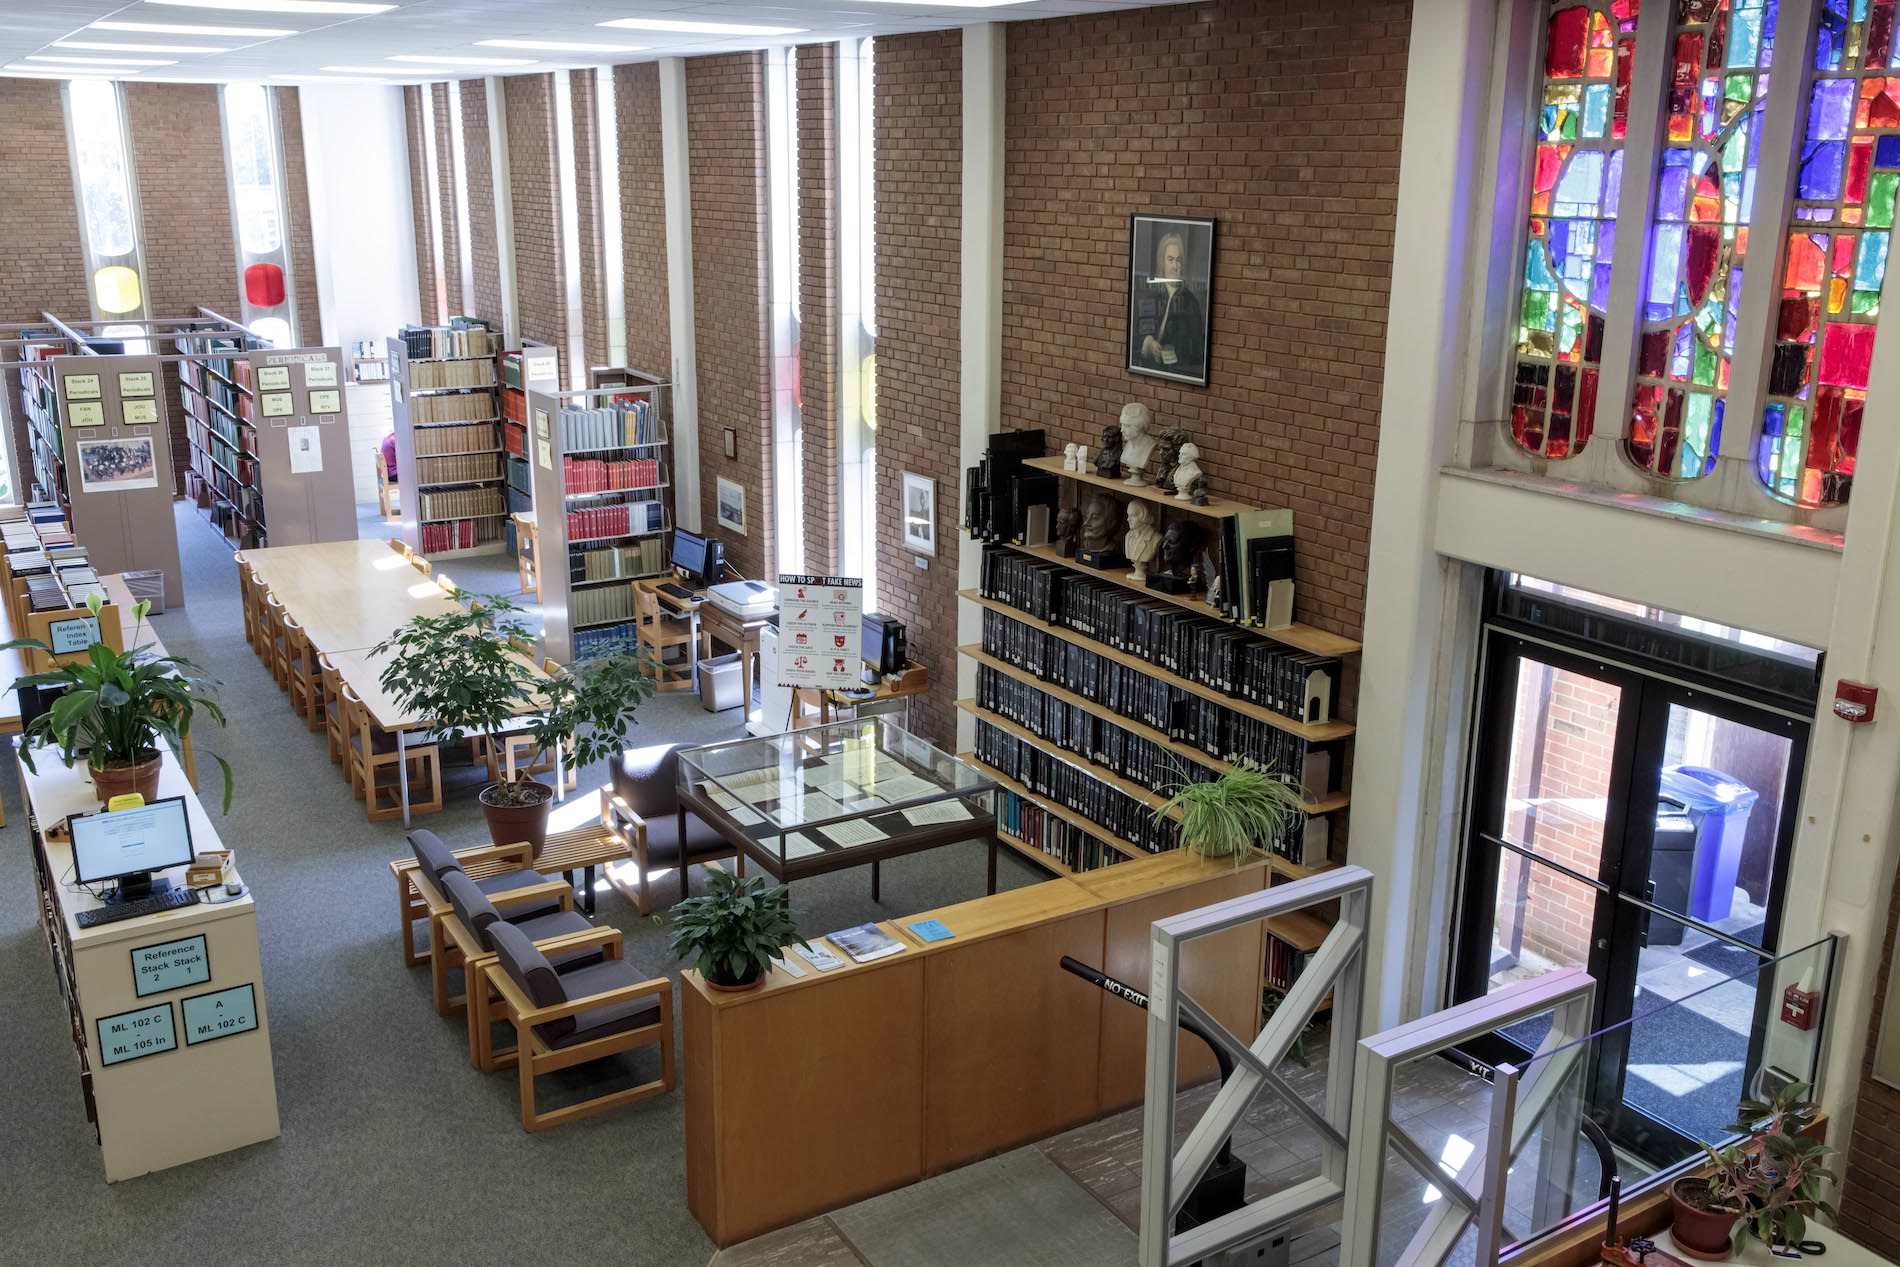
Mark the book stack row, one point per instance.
(625, 520)
(623, 424)
(593, 475)
(641, 558)
(1052, 778)
(1293, 683)
(606, 641)
(430, 375)
(467, 468)
(428, 343)
(460, 534)
(460, 407)
(477, 438)
(463, 503)
(1284, 964)
(610, 604)
(1057, 837)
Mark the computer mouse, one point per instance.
(235, 888)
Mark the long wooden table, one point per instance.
(811, 1092)
(347, 595)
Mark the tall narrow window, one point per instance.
(787, 404)
(567, 169)
(257, 208)
(861, 320)
(458, 184)
(1705, 194)
(1578, 166)
(613, 271)
(1836, 259)
(108, 211)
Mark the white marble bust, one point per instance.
(1186, 471)
(1142, 540)
(1137, 445)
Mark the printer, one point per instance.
(748, 600)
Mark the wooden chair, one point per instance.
(563, 1020)
(373, 752)
(641, 808)
(400, 547)
(420, 564)
(528, 553)
(545, 896)
(659, 633)
(335, 724)
(300, 668)
(247, 598)
(277, 644)
(386, 488)
(262, 635)
(499, 867)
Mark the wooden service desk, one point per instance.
(809, 1093)
(198, 1092)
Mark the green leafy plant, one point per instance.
(734, 932)
(1773, 1179)
(590, 706)
(117, 706)
(1231, 816)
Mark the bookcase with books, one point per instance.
(601, 462)
(446, 398)
(1096, 694)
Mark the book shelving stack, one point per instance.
(603, 492)
(1096, 695)
(518, 480)
(445, 392)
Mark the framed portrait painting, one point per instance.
(1170, 296)
(920, 514)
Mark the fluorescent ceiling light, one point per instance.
(186, 28)
(346, 8)
(17, 71)
(103, 61)
(393, 71)
(108, 46)
(952, 4)
(700, 28)
(561, 46)
(431, 59)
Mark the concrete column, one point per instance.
(679, 292)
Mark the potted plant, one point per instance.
(466, 671)
(117, 707)
(1767, 1185)
(734, 931)
(1235, 814)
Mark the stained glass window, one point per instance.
(1705, 194)
(1836, 258)
(1577, 172)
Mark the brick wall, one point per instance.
(1281, 119)
(817, 195)
(586, 107)
(176, 135)
(919, 155)
(643, 218)
(484, 251)
(725, 112)
(419, 200)
(303, 251)
(533, 186)
(43, 263)
(1872, 1165)
(444, 174)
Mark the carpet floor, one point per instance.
(393, 1149)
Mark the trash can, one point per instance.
(1719, 805)
(719, 683)
(1671, 867)
(148, 585)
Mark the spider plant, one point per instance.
(1233, 816)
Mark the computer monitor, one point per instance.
(127, 845)
(689, 553)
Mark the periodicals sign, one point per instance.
(273, 378)
(821, 624)
(81, 386)
(136, 384)
(319, 374)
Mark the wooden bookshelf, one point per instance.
(1060, 811)
(1302, 930)
(1047, 861)
(412, 380)
(1216, 508)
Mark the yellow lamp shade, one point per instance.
(117, 291)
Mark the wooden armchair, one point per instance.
(493, 867)
(386, 488)
(660, 633)
(567, 1019)
(641, 807)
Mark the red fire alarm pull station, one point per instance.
(1798, 1006)
(1854, 701)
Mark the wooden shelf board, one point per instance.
(1312, 805)
(1049, 862)
(1216, 508)
(1302, 637)
(1301, 930)
(1063, 812)
(1322, 733)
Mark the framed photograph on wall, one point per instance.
(117, 466)
(1170, 296)
(731, 506)
(920, 514)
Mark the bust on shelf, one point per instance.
(1101, 517)
(1137, 445)
(1142, 540)
(1068, 524)
(1167, 455)
(1108, 463)
(1174, 572)
(1188, 473)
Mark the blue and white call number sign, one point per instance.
(170, 965)
(134, 1035)
(220, 1014)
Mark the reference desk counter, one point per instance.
(168, 1015)
(811, 1092)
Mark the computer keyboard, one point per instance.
(156, 904)
(679, 592)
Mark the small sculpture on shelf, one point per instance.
(1068, 458)
(1142, 540)
(1068, 524)
(1167, 456)
(1137, 446)
(1101, 517)
(1175, 573)
(1187, 472)
(1210, 577)
(1081, 457)
(1108, 463)
(1197, 491)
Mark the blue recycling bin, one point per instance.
(1719, 805)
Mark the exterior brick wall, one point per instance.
(303, 250)
(725, 111)
(817, 195)
(484, 251)
(643, 219)
(176, 136)
(540, 288)
(1280, 119)
(918, 109)
(43, 263)
(1871, 1168)
(444, 174)
(419, 200)
(586, 107)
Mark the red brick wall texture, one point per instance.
(643, 219)
(540, 289)
(484, 252)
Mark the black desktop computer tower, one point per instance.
(885, 645)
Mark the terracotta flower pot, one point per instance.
(758, 979)
(512, 824)
(1698, 1232)
(117, 780)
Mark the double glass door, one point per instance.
(1638, 828)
